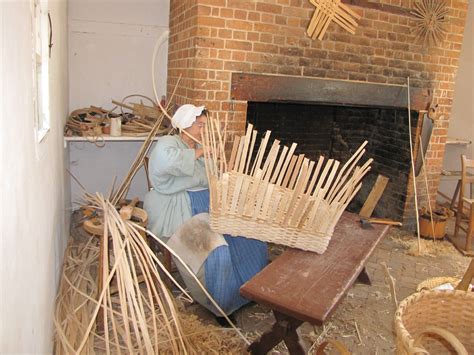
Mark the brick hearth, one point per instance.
(210, 40)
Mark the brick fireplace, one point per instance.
(216, 45)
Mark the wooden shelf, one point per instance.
(106, 138)
(457, 141)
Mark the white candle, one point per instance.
(115, 126)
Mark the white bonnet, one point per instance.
(185, 116)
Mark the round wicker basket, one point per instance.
(433, 282)
(436, 322)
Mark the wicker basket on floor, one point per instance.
(434, 282)
(436, 322)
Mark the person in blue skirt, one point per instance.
(178, 207)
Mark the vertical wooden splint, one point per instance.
(274, 195)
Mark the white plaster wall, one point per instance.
(33, 189)
(461, 124)
(110, 52)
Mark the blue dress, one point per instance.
(229, 266)
(173, 172)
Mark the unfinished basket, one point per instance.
(277, 196)
(436, 322)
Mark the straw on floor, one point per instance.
(134, 312)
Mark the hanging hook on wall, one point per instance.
(50, 45)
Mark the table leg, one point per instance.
(283, 329)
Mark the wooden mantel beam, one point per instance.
(271, 88)
(397, 10)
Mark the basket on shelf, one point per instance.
(277, 196)
(436, 322)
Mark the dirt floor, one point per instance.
(364, 319)
(363, 322)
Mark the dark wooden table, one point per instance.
(304, 286)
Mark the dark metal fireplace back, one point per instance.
(336, 132)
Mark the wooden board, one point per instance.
(374, 196)
(370, 4)
(309, 286)
(265, 88)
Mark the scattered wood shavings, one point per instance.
(391, 284)
(429, 247)
(358, 333)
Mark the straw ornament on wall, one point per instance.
(277, 196)
(430, 22)
(328, 11)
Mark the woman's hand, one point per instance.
(199, 152)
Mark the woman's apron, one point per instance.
(230, 262)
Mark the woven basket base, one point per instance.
(291, 237)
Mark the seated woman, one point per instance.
(180, 191)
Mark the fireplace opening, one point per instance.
(336, 131)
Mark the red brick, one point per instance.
(254, 16)
(224, 54)
(241, 14)
(213, 2)
(223, 75)
(224, 33)
(281, 20)
(239, 45)
(253, 36)
(221, 95)
(239, 25)
(293, 21)
(211, 22)
(265, 48)
(238, 56)
(237, 66)
(263, 7)
(203, 10)
(265, 27)
(239, 35)
(266, 37)
(295, 12)
(241, 4)
(267, 18)
(227, 13)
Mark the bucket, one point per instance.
(439, 222)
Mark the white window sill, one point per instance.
(41, 134)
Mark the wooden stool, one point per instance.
(465, 221)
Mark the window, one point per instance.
(40, 28)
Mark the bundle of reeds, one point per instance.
(277, 196)
(124, 306)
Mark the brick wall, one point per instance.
(211, 39)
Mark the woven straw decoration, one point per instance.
(328, 11)
(277, 196)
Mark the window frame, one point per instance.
(40, 35)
